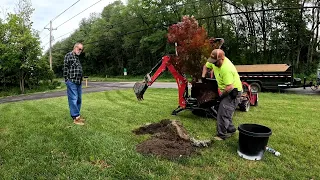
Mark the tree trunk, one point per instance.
(298, 57)
(22, 82)
(221, 9)
(214, 20)
(299, 42)
(314, 38)
(264, 35)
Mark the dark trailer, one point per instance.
(268, 76)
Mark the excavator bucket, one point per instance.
(139, 88)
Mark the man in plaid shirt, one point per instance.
(72, 73)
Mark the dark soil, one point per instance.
(169, 140)
(205, 93)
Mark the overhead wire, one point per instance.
(46, 35)
(65, 10)
(112, 25)
(201, 18)
(61, 13)
(72, 17)
(56, 18)
(65, 34)
(78, 14)
(141, 30)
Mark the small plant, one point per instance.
(54, 84)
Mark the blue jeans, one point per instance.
(74, 92)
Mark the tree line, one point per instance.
(134, 36)
(20, 53)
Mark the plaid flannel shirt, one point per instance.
(72, 69)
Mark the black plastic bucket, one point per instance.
(253, 139)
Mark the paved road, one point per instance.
(92, 87)
(107, 86)
(302, 90)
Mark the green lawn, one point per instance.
(166, 78)
(39, 141)
(16, 90)
(40, 89)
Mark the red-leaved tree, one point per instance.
(193, 46)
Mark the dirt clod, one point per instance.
(169, 139)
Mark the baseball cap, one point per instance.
(211, 59)
(214, 56)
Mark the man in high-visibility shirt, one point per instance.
(230, 86)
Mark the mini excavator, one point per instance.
(203, 100)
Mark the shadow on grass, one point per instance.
(130, 98)
(110, 96)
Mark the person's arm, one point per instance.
(66, 67)
(228, 88)
(204, 71)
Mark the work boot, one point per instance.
(82, 119)
(231, 131)
(217, 138)
(220, 138)
(78, 121)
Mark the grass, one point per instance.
(39, 89)
(128, 79)
(39, 141)
(166, 77)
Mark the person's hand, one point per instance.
(204, 80)
(234, 93)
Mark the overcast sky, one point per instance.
(47, 10)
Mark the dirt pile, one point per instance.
(169, 140)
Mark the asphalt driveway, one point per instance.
(107, 86)
(92, 87)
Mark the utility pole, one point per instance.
(50, 48)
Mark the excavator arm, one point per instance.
(162, 66)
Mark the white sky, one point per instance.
(47, 10)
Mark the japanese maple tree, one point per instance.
(193, 47)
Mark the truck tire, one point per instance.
(255, 87)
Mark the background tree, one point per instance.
(133, 36)
(192, 46)
(20, 47)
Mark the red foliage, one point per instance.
(193, 46)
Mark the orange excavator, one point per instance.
(203, 99)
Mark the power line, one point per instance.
(51, 29)
(46, 35)
(41, 31)
(207, 17)
(79, 13)
(65, 10)
(111, 26)
(50, 41)
(46, 43)
(60, 36)
(260, 10)
(64, 34)
(62, 13)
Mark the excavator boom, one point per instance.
(163, 65)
